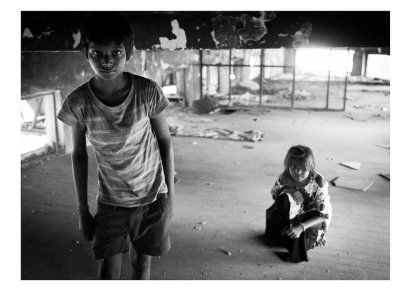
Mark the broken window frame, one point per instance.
(262, 66)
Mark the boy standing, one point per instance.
(121, 114)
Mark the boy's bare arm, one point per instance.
(80, 172)
(161, 130)
(80, 166)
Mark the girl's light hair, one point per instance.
(300, 156)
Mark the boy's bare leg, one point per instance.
(141, 264)
(110, 268)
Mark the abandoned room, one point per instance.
(243, 87)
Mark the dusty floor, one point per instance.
(221, 200)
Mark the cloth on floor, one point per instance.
(216, 133)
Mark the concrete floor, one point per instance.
(226, 187)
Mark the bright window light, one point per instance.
(319, 61)
(169, 90)
(378, 66)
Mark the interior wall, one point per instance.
(65, 71)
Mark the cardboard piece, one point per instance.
(351, 165)
(383, 146)
(352, 183)
(355, 118)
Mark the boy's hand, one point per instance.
(86, 224)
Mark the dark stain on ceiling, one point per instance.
(59, 30)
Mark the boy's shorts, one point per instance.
(147, 226)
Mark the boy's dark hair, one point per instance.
(104, 26)
(300, 156)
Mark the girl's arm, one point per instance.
(322, 200)
(161, 131)
(295, 231)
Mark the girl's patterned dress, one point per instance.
(293, 205)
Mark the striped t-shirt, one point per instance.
(129, 166)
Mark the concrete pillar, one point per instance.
(365, 64)
(224, 80)
(154, 70)
(192, 77)
(359, 63)
(288, 60)
(213, 80)
(180, 82)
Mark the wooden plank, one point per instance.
(351, 165)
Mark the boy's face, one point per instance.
(107, 60)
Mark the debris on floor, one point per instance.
(197, 228)
(204, 273)
(364, 106)
(228, 110)
(381, 115)
(355, 118)
(352, 183)
(351, 165)
(248, 147)
(176, 179)
(299, 95)
(383, 146)
(226, 252)
(203, 222)
(386, 176)
(216, 133)
(205, 105)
